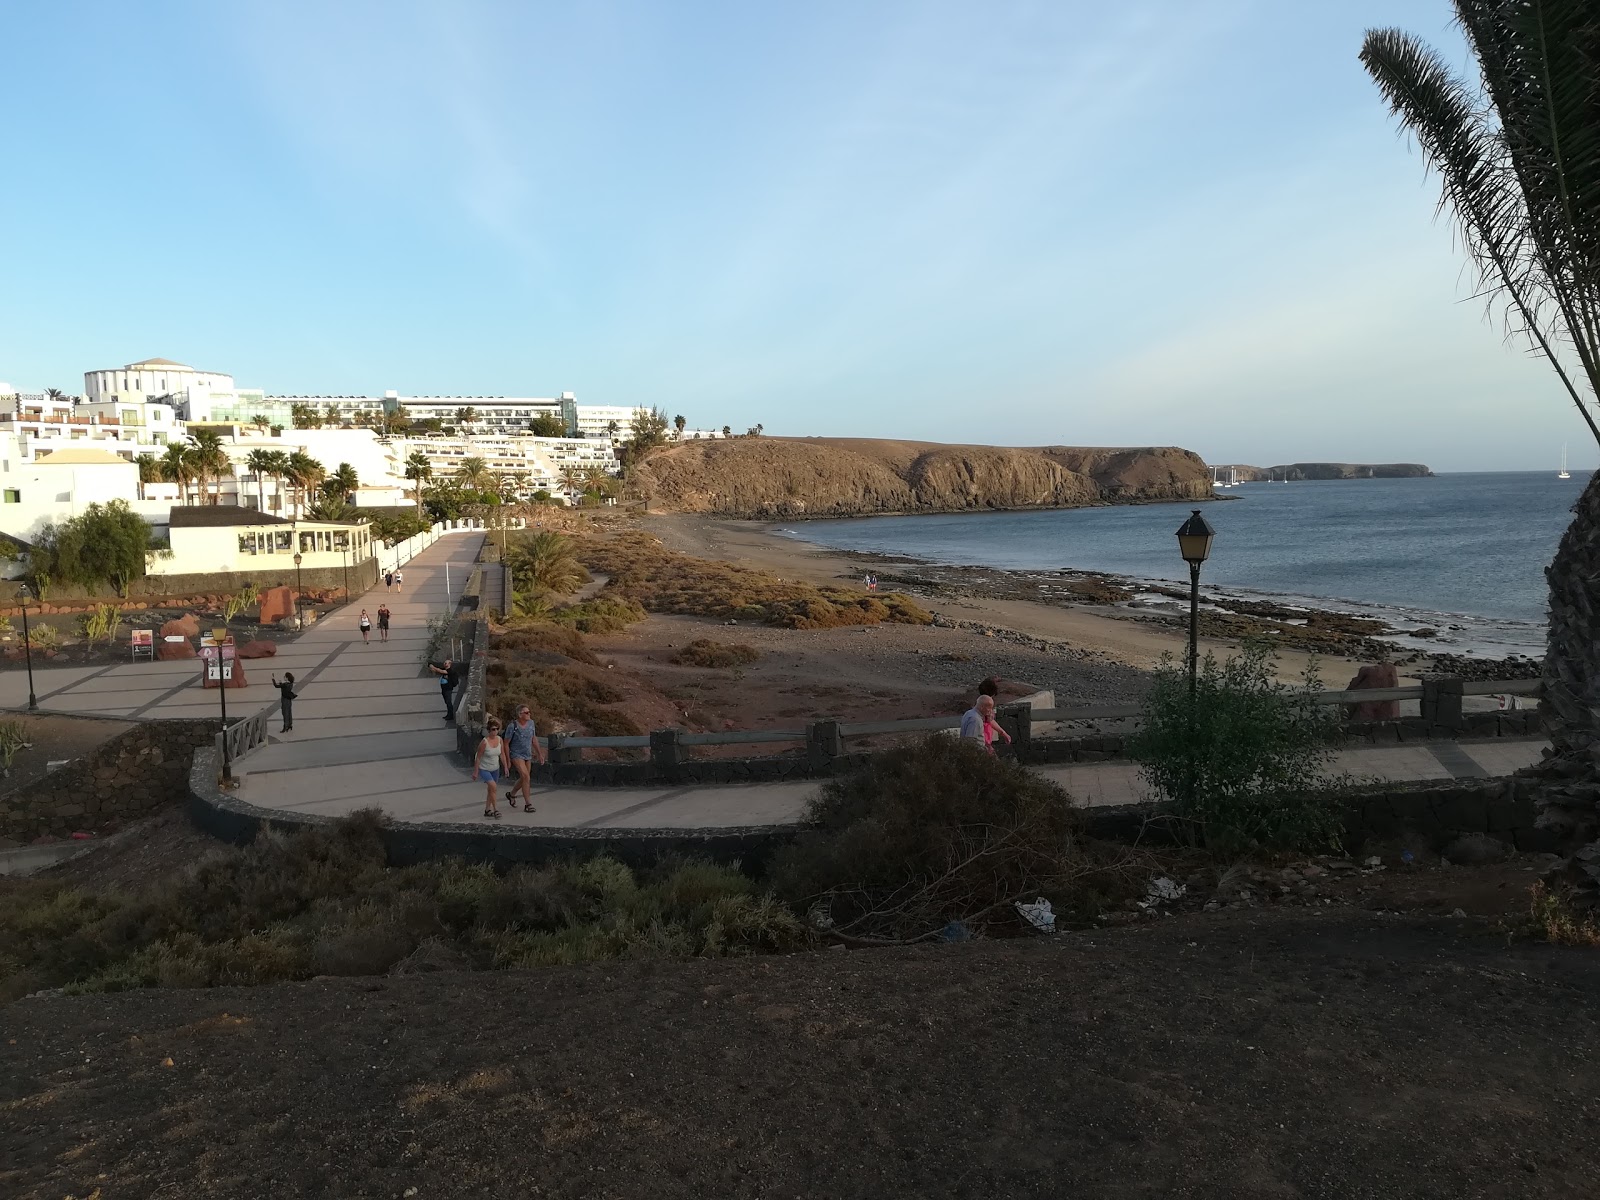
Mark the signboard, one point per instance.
(218, 661)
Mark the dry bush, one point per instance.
(935, 832)
(704, 652)
(603, 614)
(663, 581)
(324, 902)
(552, 639)
(556, 695)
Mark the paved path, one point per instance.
(370, 730)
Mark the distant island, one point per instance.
(788, 478)
(1291, 472)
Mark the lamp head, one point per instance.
(297, 558)
(24, 593)
(1194, 539)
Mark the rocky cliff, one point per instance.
(829, 477)
(1293, 471)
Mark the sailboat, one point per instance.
(1563, 473)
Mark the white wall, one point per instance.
(34, 494)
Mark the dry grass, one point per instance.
(642, 570)
(556, 695)
(704, 652)
(1557, 919)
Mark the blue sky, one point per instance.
(1176, 222)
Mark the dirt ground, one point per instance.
(1260, 1054)
(883, 672)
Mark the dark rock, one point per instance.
(1477, 849)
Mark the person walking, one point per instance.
(490, 763)
(450, 677)
(524, 742)
(398, 580)
(366, 628)
(388, 580)
(992, 728)
(383, 622)
(286, 698)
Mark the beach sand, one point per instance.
(1110, 634)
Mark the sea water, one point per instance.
(1462, 553)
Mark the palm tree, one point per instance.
(545, 562)
(727, 431)
(278, 468)
(211, 463)
(177, 466)
(150, 471)
(572, 480)
(612, 429)
(260, 462)
(466, 416)
(54, 394)
(474, 473)
(509, 485)
(305, 473)
(1519, 163)
(678, 423)
(343, 481)
(419, 470)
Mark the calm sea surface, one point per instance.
(1465, 552)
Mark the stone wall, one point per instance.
(130, 776)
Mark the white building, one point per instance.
(215, 538)
(127, 429)
(151, 379)
(41, 490)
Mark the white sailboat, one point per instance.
(1563, 473)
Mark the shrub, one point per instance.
(703, 652)
(44, 637)
(929, 833)
(604, 614)
(545, 562)
(1247, 764)
(101, 623)
(13, 737)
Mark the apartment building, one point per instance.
(124, 428)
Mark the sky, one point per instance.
(1175, 222)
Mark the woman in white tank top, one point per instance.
(488, 764)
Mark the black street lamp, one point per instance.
(24, 594)
(299, 615)
(1194, 543)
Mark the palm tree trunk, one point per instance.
(1567, 793)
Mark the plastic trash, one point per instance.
(1162, 888)
(1038, 914)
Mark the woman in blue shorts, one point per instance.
(489, 765)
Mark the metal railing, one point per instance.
(243, 736)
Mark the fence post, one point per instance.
(665, 752)
(1441, 701)
(1017, 720)
(824, 743)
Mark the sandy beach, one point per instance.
(1096, 631)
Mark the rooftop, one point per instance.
(216, 516)
(80, 456)
(159, 362)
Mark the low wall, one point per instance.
(152, 589)
(1430, 814)
(129, 776)
(223, 815)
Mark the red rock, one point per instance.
(260, 649)
(187, 626)
(1375, 675)
(168, 651)
(276, 603)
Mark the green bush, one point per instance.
(930, 833)
(1246, 766)
(714, 655)
(603, 614)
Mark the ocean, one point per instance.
(1461, 552)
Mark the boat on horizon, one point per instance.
(1563, 473)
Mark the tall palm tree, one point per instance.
(419, 470)
(466, 417)
(474, 473)
(1519, 162)
(572, 480)
(211, 463)
(612, 429)
(305, 473)
(678, 423)
(177, 466)
(260, 462)
(278, 468)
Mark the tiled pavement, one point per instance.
(369, 730)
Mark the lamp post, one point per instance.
(299, 615)
(1194, 543)
(345, 550)
(24, 594)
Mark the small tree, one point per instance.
(547, 425)
(545, 562)
(106, 543)
(1246, 764)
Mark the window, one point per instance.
(13, 496)
(283, 539)
(247, 543)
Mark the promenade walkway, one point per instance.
(370, 732)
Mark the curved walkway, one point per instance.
(370, 730)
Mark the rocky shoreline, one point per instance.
(1298, 627)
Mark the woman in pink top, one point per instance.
(991, 727)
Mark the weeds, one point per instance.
(325, 903)
(603, 614)
(703, 652)
(1557, 919)
(13, 740)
